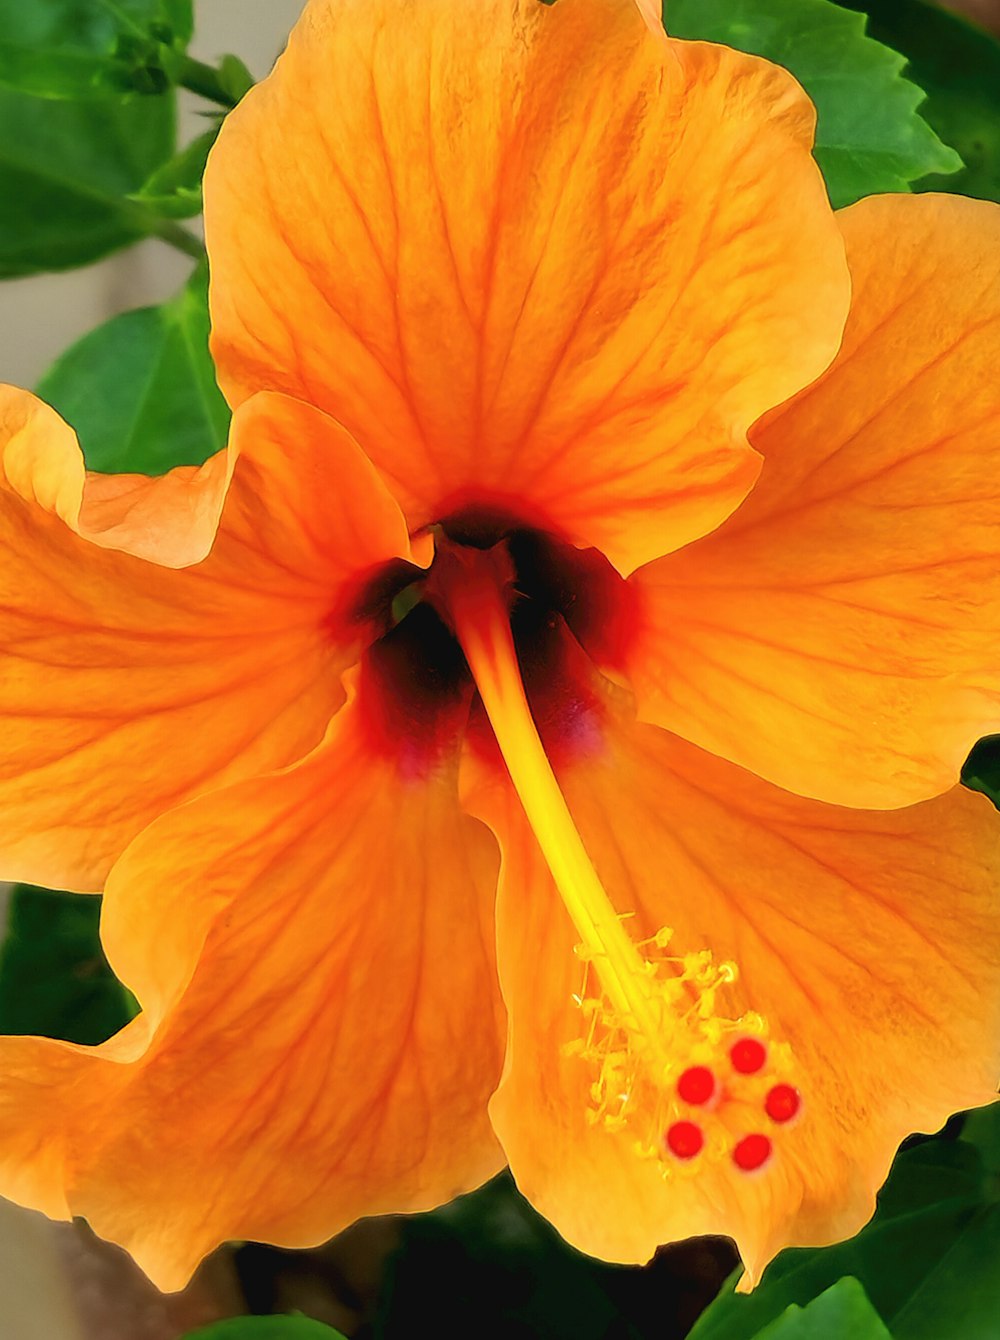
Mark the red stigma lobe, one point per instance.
(684, 1139)
(782, 1103)
(748, 1056)
(752, 1152)
(696, 1085)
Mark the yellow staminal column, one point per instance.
(478, 611)
(652, 1024)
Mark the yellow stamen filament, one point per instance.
(482, 625)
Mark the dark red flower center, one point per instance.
(569, 612)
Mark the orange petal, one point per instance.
(314, 954)
(529, 255)
(839, 634)
(125, 686)
(652, 14)
(170, 520)
(869, 941)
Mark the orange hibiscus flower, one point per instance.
(505, 575)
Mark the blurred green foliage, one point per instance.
(174, 190)
(81, 49)
(55, 981)
(140, 390)
(88, 155)
(958, 67)
(267, 1328)
(981, 770)
(488, 1265)
(842, 1311)
(73, 145)
(66, 172)
(869, 134)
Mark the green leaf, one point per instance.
(842, 1311)
(927, 1260)
(981, 770)
(140, 390)
(171, 21)
(958, 67)
(93, 25)
(870, 136)
(77, 74)
(267, 1328)
(54, 979)
(65, 169)
(982, 1129)
(224, 84)
(234, 77)
(72, 146)
(80, 49)
(174, 190)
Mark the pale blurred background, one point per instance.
(55, 1282)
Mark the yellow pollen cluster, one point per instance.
(688, 1081)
